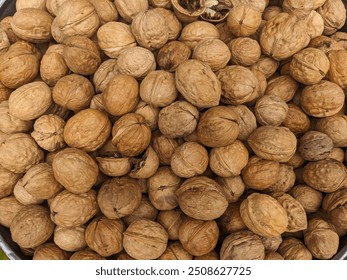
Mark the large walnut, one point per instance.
(334, 15)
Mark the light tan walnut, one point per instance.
(49, 251)
(335, 127)
(9, 207)
(334, 15)
(337, 73)
(104, 74)
(244, 51)
(174, 26)
(10, 124)
(127, 9)
(70, 239)
(106, 10)
(270, 110)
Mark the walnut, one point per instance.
(321, 239)
(172, 54)
(233, 187)
(19, 152)
(5, 93)
(314, 145)
(77, 17)
(70, 238)
(286, 179)
(244, 51)
(128, 9)
(164, 147)
(264, 215)
(269, 255)
(198, 237)
(296, 120)
(337, 73)
(136, 61)
(267, 65)
(53, 6)
(325, 44)
(265, 146)
(10, 124)
(4, 41)
(49, 251)
(284, 30)
(106, 10)
(174, 26)
(271, 11)
(23, 196)
(146, 166)
(32, 25)
(87, 130)
(334, 204)
(188, 11)
(86, 254)
(213, 255)
(171, 220)
(150, 113)
(145, 240)
(104, 74)
(146, 210)
(197, 31)
(9, 207)
(114, 166)
(246, 121)
(335, 127)
(70, 210)
(242, 245)
(326, 175)
(119, 197)
(211, 202)
(8, 180)
(23, 4)
(315, 24)
(283, 86)
(179, 119)
(301, 8)
(340, 37)
(113, 37)
(175, 251)
(31, 226)
(271, 243)
(293, 249)
(198, 84)
(270, 110)
(231, 220)
(334, 15)
(338, 154)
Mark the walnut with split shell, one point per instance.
(172, 54)
(216, 10)
(188, 10)
(146, 166)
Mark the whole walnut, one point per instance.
(77, 17)
(31, 226)
(296, 120)
(283, 35)
(23, 196)
(114, 165)
(49, 251)
(136, 61)
(104, 74)
(70, 238)
(174, 26)
(73, 92)
(231, 220)
(284, 87)
(53, 6)
(10, 124)
(179, 119)
(244, 51)
(198, 84)
(264, 145)
(188, 11)
(246, 121)
(334, 15)
(128, 9)
(8, 180)
(32, 25)
(334, 204)
(172, 54)
(198, 237)
(267, 65)
(338, 154)
(293, 249)
(321, 239)
(337, 73)
(271, 11)
(69, 209)
(9, 207)
(164, 147)
(106, 10)
(175, 251)
(119, 197)
(314, 145)
(146, 210)
(88, 130)
(19, 152)
(286, 179)
(233, 187)
(335, 127)
(145, 240)
(326, 175)
(264, 215)
(270, 110)
(121, 95)
(171, 220)
(113, 37)
(105, 236)
(242, 245)
(86, 254)
(301, 8)
(271, 243)
(162, 187)
(201, 198)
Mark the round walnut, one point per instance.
(121, 95)
(8, 180)
(337, 73)
(106, 10)
(106, 71)
(198, 84)
(174, 26)
(31, 226)
(321, 239)
(145, 240)
(296, 120)
(175, 251)
(70, 239)
(335, 127)
(270, 110)
(49, 251)
(233, 187)
(198, 237)
(246, 121)
(267, 65)
(264, 215)
(119, 197)
(334, 204)
(242, 245)
(171, 221)
(129, 8)
(19, 152)
(201, 198)
(334, 14)
(284, 87)
(314, 145)
(10, 124)
(88, 130)
(105, 236)
(172, 54)
(146, 210)
(244, 51)
(293, 249)
(9, 207)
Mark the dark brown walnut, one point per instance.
(86, 254)
(150, 113)
(174, 26)
(105, 236)
(246, 121)
(32, 25)
(145, 240)
(270, 110)
(171, 220)
(231, 220)
(19, 152)
(172, 54)
(198, 237)
(314, 145)
(244, 51)
(333, 13)
(188, 11)
(106, 10)
(264, 215)
(8, 180)
(88, 130)
(49, 251)
(296, 120)
(293, 249)
(146, 210)
(162, 187)
(9, 207)
(321, 239)
(10, 124)
(70, 239)
(69, 209)
(242, 245)
(218, 127)
(179, 119)
(198, 84)
(31, 226)
(283, 86)
(326, 175)
(335, 205)
(175, 251)
(127, 9)
(201, 198)
(146, 166)
(335, 127)
(286, 179)
(75, 170)
(233, 187)
(119, 197)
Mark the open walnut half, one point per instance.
(216, 10)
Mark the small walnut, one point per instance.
(284, 87)
(334, 15)
(270, 110)
(188, 11)
(10, 124)
(264, 215)
(164, 147)
(171, 220)
(201, 198)
(70, 210)
(325, 44)
(293, 249)
(8, 180)
(244, 51)
(321, 239)
(315, 24)
(174, 26)
(314, 145)
(296, 161)
(172, 54)
(49, 251)
(106, 71)
(271, 243)
(335, 127)
(106, 10)
(145, 240)
(296, 120)
(70, 238)
(198, 237)
(175, 251)
(19, 152)
(334, 204)
(242, 245)
(233, 187)
(231, 220)
(146, 210)
(286, 179)
(86, 254)
(31, 226)
(146, 166)
(88, 130)
(337, 73)
(271, 11)
(128, 9)
(9, 207)
(246, 121)
(150, 113)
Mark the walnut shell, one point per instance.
(334, 204)
(314, 145)
(244, 51)
(129, 8)
(325, 44)
(106, 10)
(70, 238)
(273, 256)
(213, 255)
(23, 196)
(175, 251)
(164, 147)
(271, 243)
(106, 71)
(53, 6)
(246, 121)
(270, 110)
(160, 3)
(114, 166)
(337, 73)
(4, 41)
(293, 249)
(150, 114)
(340, 37)
(88, 130)
(146, 166)
(296, 120)
(335, 127)
(5, 93)
(10, 124)
(31, 226)
(145, 240)
(188, 11)
(49, 251)
(171, 220)
(284, 87)
(334, 15)
(8, 180)
(286, 179)
(267, 65)
(23, 4)
(9, 207)
(146, 210)
(172, 54)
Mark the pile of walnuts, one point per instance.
(174, 129)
